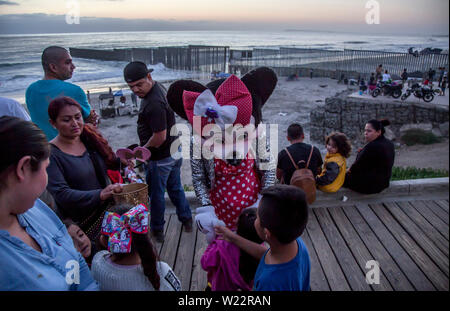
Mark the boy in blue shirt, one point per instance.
(281, 219)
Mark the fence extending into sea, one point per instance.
(284, 60)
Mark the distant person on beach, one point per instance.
(35, 246)
(372, 82)
(386, 77)
(311, 72)
(299, 151)
(334, 168)
(404, 77)
(372, 169)
(379, 72)
(10, 107)
(154, 123)
(441, 75)
(431, 74)
(79, 160)
(444, 83)
(58, 67)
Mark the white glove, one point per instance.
(206, 220)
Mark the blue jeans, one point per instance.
(161, 175)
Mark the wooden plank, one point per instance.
(159, 245)
(427, 228)
(412, 272)
(429, 268)
(443, 204)
(441, 226)
(199, 276)
(437, 210)
(333, 272)
(171, 241)
(354, 274)
(394, 273)
(357, 247)
(185, 258)
(318, 281)
(439, 258)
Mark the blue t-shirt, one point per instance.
(58, 266)
(39, 95)
(290, 276)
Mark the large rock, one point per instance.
(421, 126)
(444, 129)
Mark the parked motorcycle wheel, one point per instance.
(428, 97)
(376, 92)
(396, 93)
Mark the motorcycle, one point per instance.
(392, 89)
(419, 92)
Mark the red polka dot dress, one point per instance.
(234, 189)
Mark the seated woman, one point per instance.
(79, 159)
(372, 169)
(37, 253)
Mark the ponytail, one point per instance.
(144, 247)
(378, 125)
(94, 140)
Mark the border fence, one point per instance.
(284, 60)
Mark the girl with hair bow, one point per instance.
(131, 261)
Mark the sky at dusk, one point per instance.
(396, 16)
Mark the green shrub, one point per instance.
(418, 136)
(401, 173)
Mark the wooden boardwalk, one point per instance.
(408, 239)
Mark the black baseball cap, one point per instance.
(135, 71)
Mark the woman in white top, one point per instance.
(131, 262)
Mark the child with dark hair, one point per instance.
(231, 269)
(131, 262)
(80, 240)
(332, 176)
(281, 219)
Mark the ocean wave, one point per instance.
(356, 42)
(7, 65)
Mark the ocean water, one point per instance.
(20, 55)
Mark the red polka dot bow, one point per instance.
(214, 108)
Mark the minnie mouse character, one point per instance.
(231, 179)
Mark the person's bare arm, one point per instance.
(253, 249)
(157, 139)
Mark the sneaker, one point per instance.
(158, 235)
(188, 225)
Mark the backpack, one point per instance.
(303, 178)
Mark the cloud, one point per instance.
(8, 3)
(45, 23)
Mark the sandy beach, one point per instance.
(291, 101)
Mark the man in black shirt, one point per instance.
(155, 121)
(299, 151)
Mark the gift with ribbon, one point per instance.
(119, 228)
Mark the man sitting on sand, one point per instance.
(58, 66)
